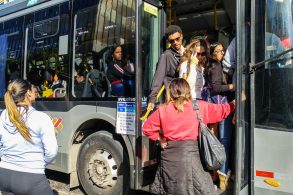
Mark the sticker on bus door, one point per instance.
(125, 121)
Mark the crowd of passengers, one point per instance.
(191, 74)
(201, 74)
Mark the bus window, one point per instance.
(46, 28)
(11, 50)
(96, 30)
(274, 83)
(150, 49)
(47, 52)
(278, 35)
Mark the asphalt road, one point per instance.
(60, 181)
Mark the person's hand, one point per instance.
(151, 106)
(234, 119)
(163, 141)
(233, 102)
(231, 86)
(194, 60)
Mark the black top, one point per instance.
(215, 78)
(166, 71)
(117, 72)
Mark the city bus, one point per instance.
(101, 146)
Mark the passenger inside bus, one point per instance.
(191, 69)
(80, 90)
(14, 71)
(119, 73)
(225, 127)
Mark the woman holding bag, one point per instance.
(180, 170)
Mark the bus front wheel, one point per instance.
(102, 166)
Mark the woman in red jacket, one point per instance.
(175, 124)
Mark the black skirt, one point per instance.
(180, 171)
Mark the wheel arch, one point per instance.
(102, 126)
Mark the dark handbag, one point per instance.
(212, 152)
(215, 99)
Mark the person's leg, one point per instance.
(32, 184)
(42, 186)
(5, 177)
(225, 133)
(129, 88)
(15, 182)
(118, 89)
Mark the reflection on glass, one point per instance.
(97, 29)
(150, 49)
(278, 32)
(274, 83)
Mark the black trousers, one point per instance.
(21, 183)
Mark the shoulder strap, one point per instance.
(196, 108)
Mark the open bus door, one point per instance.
(148, 49)
(241, 163)
(272, 102)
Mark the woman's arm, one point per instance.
(213, 113)
(216, 77)
(116, 70)
(152, 126)
(48, 138)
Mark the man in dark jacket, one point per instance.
(168, 63)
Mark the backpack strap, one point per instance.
(196, 108)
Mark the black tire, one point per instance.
(102, 166)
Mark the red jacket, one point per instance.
(183, 125)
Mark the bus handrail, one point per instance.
(254, 67)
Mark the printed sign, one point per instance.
(125, 123)
(150, 9)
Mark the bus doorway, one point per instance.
(272, 107)
(222, 21)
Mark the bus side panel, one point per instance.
(273, 154)
(71, 121)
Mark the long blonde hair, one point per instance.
(17, 93)
(189, 51)
(178, 92)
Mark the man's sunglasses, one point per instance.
(173, 40)
(201, 54)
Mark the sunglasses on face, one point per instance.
(201, 54)
(173, 40)
(220, 51)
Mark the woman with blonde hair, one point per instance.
(192, 66)
(27, 142)
(175, 124)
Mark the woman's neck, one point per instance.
(24, 104)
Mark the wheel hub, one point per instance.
(102, 169)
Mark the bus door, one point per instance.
(148, 51)
(272, 100)
(241, 154)
(46, 62)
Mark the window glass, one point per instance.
(46, 28)
(150, 49)
(10, 52)
(278, 32)
(47, 53)
(97, 30)
(274, 83)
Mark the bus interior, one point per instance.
(212, 19)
